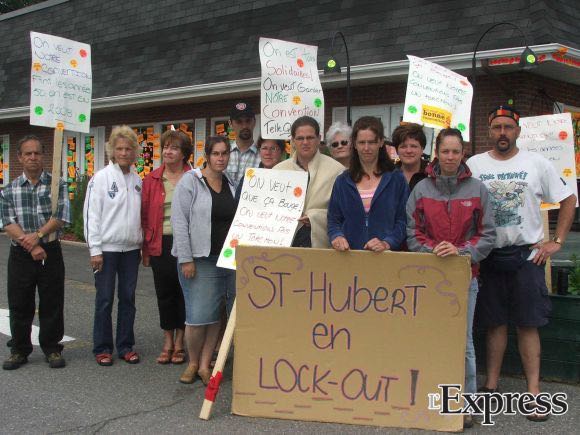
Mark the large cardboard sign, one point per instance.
(355, 337)
(270, 204)
(553, 137)
(60, 83)
(290, 86)
(437, 97)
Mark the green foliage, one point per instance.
(574, 277)
(76, 207)
(12, 5)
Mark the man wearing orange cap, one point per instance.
(513, 286)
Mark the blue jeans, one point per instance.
(125, 266)
(470, 369)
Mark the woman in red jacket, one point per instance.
(158, 239)
(449, 213)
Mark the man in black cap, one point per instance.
(244, 152)
(513, 286)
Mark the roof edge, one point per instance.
(460, 61)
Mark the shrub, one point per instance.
(574, 277)
(76, 207)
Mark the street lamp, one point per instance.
(528, 60)
(332, 67)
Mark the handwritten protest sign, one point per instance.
(60, 83)
(270, 204)
(290, 86)
(553, 137)
(4, 159)
(437, 97)
(354, 337)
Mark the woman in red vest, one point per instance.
(158, 239)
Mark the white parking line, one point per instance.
(5, 328)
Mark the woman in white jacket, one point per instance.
(112, 227)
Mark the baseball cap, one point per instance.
(240, 109)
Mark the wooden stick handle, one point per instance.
(56, 168)
(205, 413)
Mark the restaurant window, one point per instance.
(149, 152)
(391, 116)
(82, 154)
(4, 159)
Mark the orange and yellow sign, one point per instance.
(436, 115)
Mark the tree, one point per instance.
(12, 5)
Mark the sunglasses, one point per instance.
(342, 142)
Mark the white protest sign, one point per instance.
(437, 97)
(270, 204)
(552, 136)
(60, 83)
(290, 86)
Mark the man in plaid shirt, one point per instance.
(34, 261)
(244, 153)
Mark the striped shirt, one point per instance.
(240, 161)
(29, 205)
(367, 197)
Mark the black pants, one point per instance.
(24, 276)
(169, 293)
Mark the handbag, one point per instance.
(303, 237)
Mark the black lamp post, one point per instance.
(528, 60)
(331, 66)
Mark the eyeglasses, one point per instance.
(342, 142)
(305, 138)
(367, 142)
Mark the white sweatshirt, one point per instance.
(112, 211)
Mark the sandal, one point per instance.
(178, 357)
(205, 375)
(131, 357)
(188, 376)
(484, 389)
(537, 418)
(104, 359)
(165, 357)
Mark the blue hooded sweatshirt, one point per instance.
(386, 219)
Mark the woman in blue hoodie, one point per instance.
(367, 205)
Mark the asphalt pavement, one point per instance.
(147, 398)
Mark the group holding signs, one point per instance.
(373, 333)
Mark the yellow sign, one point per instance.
(349, 337)
(436, 115)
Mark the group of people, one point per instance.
(176, 220)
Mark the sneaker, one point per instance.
(467, 421)
(55, 360)
(14, 361)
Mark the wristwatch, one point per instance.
(557, 240)
(39, 234)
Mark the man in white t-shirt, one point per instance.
(513, 287)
